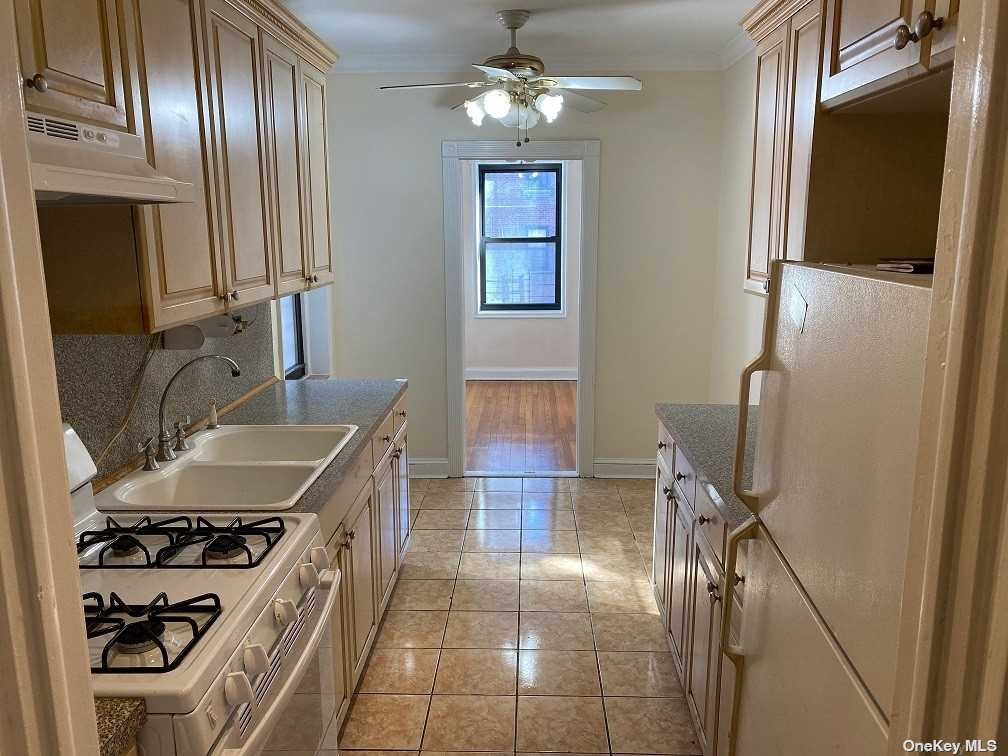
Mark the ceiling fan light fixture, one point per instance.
(497, 103)
(521, 115)
(549, 105)
(475, 112)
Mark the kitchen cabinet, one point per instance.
(361, 601)
(679, 543)
(388, 533)
(401, 455)
(72, 58)
(315, 161)
(659, 561)
(239, 147)
(704, 649)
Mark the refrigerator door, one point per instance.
(837, 440)
(797, 693)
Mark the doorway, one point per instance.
(520, 236)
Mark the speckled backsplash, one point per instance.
(96, 375)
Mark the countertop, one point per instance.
(363, 403)
(705, 433)
(119, 721)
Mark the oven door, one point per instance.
(296, 700)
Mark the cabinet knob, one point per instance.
(402, 413)
(314, 279)
(225, 297)
(352, 534)
(387, 439)
(234, 294)
(666, 490)
(680, 476)
(661, 445)
(701, 520)
(38, 83)
(925, 24)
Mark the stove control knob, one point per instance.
(319, 558)
(255, 660)
(237, 688)
(285, 611)
(309, 576)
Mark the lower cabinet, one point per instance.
(705, 654)
(360, 581)
(388, 532)
(403, 494)
(659, 562)
(680, 534)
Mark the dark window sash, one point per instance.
(297, 369)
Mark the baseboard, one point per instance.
(521, 374)
(624, 468)
(428, 468)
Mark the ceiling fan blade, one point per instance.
(496, 73)
(581, 103)
(620, 83)
(470, 84)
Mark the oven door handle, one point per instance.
(256, 740)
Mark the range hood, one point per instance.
(81, 164)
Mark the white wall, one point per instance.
(658, 216)
(737, 315)
(501, 346)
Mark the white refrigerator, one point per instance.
(824, 556)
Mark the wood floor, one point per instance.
(520, 427)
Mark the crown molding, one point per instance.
(737, 48)
(769, 14)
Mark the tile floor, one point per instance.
(523, 622)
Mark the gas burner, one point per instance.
(138, 637)
(225, 546)
(121, 545)
(136, 630)
(125, 545)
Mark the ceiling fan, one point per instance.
(517, 91)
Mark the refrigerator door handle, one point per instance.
(745, 531)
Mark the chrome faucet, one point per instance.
(165, 451)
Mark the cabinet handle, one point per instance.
(351, 534)
(701, 520)
(387, 439)
(711, 587)
(225, 297)
(38, 83)
(925, 24)
(661, 445)
(397, 453)
(666, 490)
(402, 413)
(314, 279)
(680, 476)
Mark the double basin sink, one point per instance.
(234, 467)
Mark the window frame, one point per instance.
(297, 370)
(554, 307)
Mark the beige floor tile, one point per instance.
(622, 597)
(485, 595)
(598, 503)
(480, 566)
(641, 522)
(436, 540)
(602, 522)
(551, 566)
(499, 485)
(650, 726)
(560, 723)
(400, 670)
(558, 673)
(593, 484)
(593, 542)
(447, 501)
(430, 565)
(640, 508)
(422, 594)
(609, 566)
(553, 596)
(629, 632)
(378, 722)
(411, 629)
(549, 541)
(445, 485)
(470, 723)
(635, 485)
(481, 630)
(545, 485)
(557, 631)
(547, 519)
(414, 513)
(533, 500)
(644, 674)
(492, 540)
(442, 519)
(419, 484)
(483, 672)
(495, 519)
(497, 500)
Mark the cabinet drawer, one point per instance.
(399, 415)
(665, 445)
(685, 477)
(710, 522)
(382, 439)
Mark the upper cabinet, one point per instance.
(72, 58)
(228, 95)
(872, 45)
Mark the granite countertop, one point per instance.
(363, 403)
(119, 721)
(706, 435)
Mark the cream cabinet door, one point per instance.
(316, 170)
(75, 49)
(403, 495)
(385, 504)
(765, 192)
(680, 535)
(180, 261)
(283, 137)
(701, 679)
(660, 550)
(239, 143)
(861, 55)
(363, 615)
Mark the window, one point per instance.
(520, 266)
(291, 337)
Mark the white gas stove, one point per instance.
(212, 619)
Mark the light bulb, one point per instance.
(497, 103)
(475, 111)
(549, 105)
(522, 115)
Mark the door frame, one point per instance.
(453, 153)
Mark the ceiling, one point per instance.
(572, 36)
